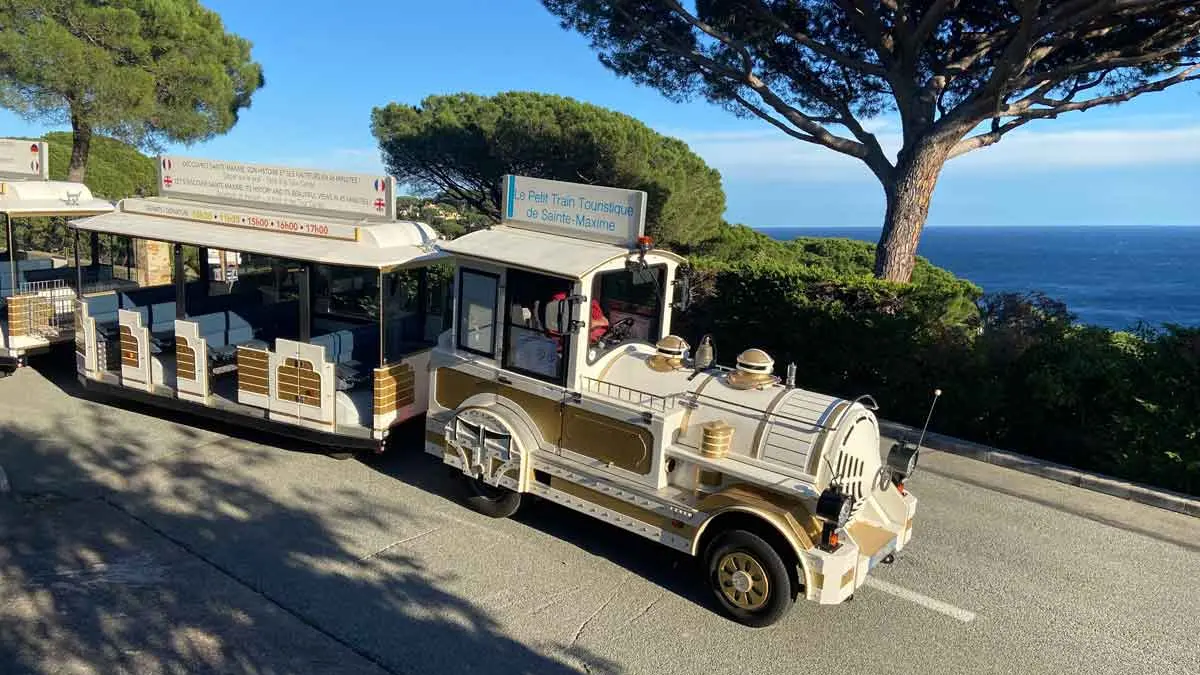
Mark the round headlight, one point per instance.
(902, 460)
(834, 506)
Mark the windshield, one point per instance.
(630, 308)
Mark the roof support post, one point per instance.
(305, 303)
(11, 243)
(180, 283)
(78, 268)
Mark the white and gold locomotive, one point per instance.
(561, 379)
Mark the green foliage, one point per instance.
(115, 170)
(459, 146)
(144, 71)
(829, 269)
(1017, 370)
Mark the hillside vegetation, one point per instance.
(115, 169)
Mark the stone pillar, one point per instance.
(154, 262)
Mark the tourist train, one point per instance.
(320, 328)
(37, 275)
(538, 352)
(561, 378)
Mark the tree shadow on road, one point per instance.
(673, 571)
(140, 546)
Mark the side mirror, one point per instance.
(557, 316)
(683, 292)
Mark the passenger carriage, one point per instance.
(562, 379)
(37, 273)
(324, 330)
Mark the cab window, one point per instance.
(477, 297)
(537, 318)
(630, 307)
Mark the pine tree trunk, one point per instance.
(81, 142)
(908, 197)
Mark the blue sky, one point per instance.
(326, 68)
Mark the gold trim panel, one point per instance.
(185, 359)
(621, 444)
(452, 387)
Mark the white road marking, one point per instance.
(925, 601)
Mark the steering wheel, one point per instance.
(618, 331)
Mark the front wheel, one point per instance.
(749, 578)
(494, 501)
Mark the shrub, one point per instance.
(1018, 371)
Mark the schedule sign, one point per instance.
(233, 216)
(339, 194)
(605, 214)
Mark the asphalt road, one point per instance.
(139, 544)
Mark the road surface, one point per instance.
(138, 543)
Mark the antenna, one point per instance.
(936, 394)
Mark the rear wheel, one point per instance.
(490, 500)
(749, 578)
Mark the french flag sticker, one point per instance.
(381, 185)
(166, 164)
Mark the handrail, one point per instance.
(665, 402)
(695, 397)
(659, 402)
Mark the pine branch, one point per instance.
(809, 125)
(1053, 108)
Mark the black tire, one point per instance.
(497, 502)
(749, 578)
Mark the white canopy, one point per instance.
(33, 198)
(345, 242)
(551, 253)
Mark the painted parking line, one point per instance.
(925, 601)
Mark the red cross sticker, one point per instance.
(380, 204)
(167, 181)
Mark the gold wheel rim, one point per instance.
(743, 581)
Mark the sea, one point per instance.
(1109, 276)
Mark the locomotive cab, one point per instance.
(561, 378)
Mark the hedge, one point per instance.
(1017, 371)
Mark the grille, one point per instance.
(849, 477)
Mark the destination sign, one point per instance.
(335, 193)
(235, 217)
(24, 159)
(605, 214)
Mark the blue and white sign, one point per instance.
(605, 214)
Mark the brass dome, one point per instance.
(755, 368)
(669, 355)
(756, 360)
(672, 345)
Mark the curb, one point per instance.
(1143, 494)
